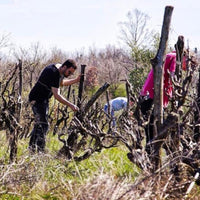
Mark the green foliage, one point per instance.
(117, 90)
(113, 161)
(137, 78)
(9, 197)
(91, 90)
(141, 56)
(4, 154)
(120, 91)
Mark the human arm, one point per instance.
(169, 66)
(172, 67)
(171, 63)
(61, 99)
(148, 87)
(67, 82)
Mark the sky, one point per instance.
(73, 25)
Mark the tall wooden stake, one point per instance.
(157, 64)
(80, 91)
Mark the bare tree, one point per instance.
(4, 40)
(33, 59)
(11, 107)
(134, 31)
(142, 43)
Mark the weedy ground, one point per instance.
(105, 175)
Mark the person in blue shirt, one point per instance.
(116, 104)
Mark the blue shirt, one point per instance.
(117, 104)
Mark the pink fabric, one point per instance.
(170, 64)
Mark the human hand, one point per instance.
(74, 107)
(79, 77)
(130, 113)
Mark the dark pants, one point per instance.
(38, 134)
(146, 106)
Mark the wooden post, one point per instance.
(179, 47)
(95, 97)
(157, 64)
(19, 103)
(80, 91)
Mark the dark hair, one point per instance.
(70, 63)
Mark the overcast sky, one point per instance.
(76, 24)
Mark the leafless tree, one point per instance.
(134, 31)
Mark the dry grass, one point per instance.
(42, 177)
(108, 175)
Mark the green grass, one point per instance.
(44, 176)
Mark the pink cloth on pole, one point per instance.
(148, 87)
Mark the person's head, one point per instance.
(68, 67)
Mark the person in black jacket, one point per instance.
(47, 85)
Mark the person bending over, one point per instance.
(47, 85)
(147, 92)
(116, 104)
